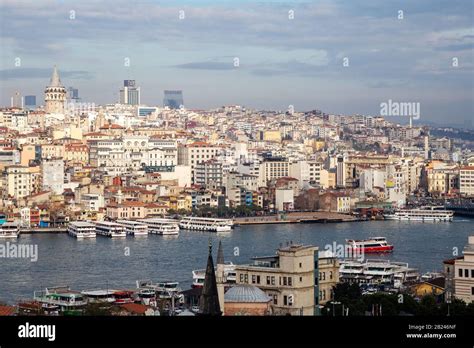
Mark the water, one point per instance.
(102, 263)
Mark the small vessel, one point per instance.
(123, 296)
(371, 245)
(421, 214)
(9, 230)
(81, 229)
(206, 224)
(134, 228)
(147, 296)
(99, 296)
(162, 226)
(163, 290)
(60, 297)
(229, 275)
(377, 272)
(110, 229)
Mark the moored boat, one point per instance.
(9, 230)
(110, 229)
(421, 214)
(81, 229)
(206, 224)
(229, 275)
(161, 226)
(134, 228)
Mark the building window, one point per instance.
(268, 280)
(275, 299)
(472, 290)
(254, 277)
(466, 273)
(285, 300)
(460, 272)
(472, 273)
(273, 280)
(290, 281)
(241, 278)
(301, 265)
(246, 278)
(284, 281)
(330, 274)
(258, 279)
(301, 279)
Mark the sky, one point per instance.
(260, 54)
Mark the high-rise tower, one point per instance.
(55, 95)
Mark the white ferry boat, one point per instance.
(377, 272)
(81, 229)
(110, 229)
(163, 290)
(421, 214)
(229, 275)
(61, 297)
(206, 224)
(134, 228)
(99, 296)
(162, 226)
(9, 230)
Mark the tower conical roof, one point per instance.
(55, 80)
(209, 302)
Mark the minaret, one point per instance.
(220, 276)
(209, 301)
(55, 95)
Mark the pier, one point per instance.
(36, 230)
(297, 217)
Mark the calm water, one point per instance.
(102, 263)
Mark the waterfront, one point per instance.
(104, 263)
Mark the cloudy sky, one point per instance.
(288, 52)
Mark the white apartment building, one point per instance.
(192, 154)
(273, 169)
(53, 175)
(92, 201)
(21, 181)
(466, 181)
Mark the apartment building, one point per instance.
(22, 181)
(464, 273)
(289, 278)
(466, 181)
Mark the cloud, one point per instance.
(206, 65)
(40, 73)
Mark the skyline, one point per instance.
(282, 61)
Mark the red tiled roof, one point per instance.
(135, 308)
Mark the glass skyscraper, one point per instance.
(30, 101)
(130, 94)
(173, 99)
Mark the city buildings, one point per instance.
(173, 99)
(130, 93)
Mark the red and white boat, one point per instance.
(371, 245)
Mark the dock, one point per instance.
(36, 230)
(296, 217)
